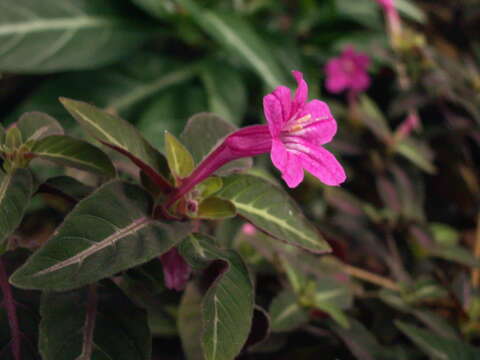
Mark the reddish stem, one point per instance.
(10, 308)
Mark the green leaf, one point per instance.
(227, 96)
(190, 325)
(359, 340)
(119, 135)
(179, 159)
(209, 186)
(13, 138)
(268, 207)
(213, 130)
(122, 88)
(16, 189)
(55, 36)
(68, 151)
(437, 347)
(285, 312)
(365, 12)
(36, 125)
(411, 11)
(457, 254)
(159, 9)
(94, 322)
(169, 111)
(228, 297)
(374, 118)
(109, 231)
(237, 35)
(215, 208)
(418, 153)
(332, 297)
(2, 135)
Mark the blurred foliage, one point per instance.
(404, 279)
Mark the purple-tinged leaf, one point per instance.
(121, 136)
(97, 321)
(109, 231)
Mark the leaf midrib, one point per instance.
(281, 223)
(64, 24)
(3, 187)
(134, 227)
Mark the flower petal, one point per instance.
(319, 162)
(272, 108)
(360, 80)
(175, 269)
(322, 127)
(287, 163)
(301, 94)
(284, 96)
(337, 80)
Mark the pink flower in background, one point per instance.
(175, 270)
(348, 72)
(387, 4)
(248, 229)
(411, 122)
(391, 14)
(298, 129)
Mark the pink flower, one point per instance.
(391, 14)
(248, 229)
(411, 122)
(175, 270)
(298, 129)
(386, 4)
(348, 72)
(294, 136)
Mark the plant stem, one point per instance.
(476, 251)
(10, 308)
(370, 277)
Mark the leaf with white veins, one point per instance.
(109, 231)
(228, 296)
(271, 209)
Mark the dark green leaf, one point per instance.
(94, 322)
(268, 207)
(107, 232)
(358, 340)
(169, 111)
(228, 297)
(2, 135)
(227, 95)
(120, 89)
(16, 189)
(37, 125)
(159, 9)
(237, 35)
(285, 312)
(455, 253)
(119, 135)
(418, 153)
(212, 129)
(437, 347)
(190, 323)
(68, 151)
(53, 36)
